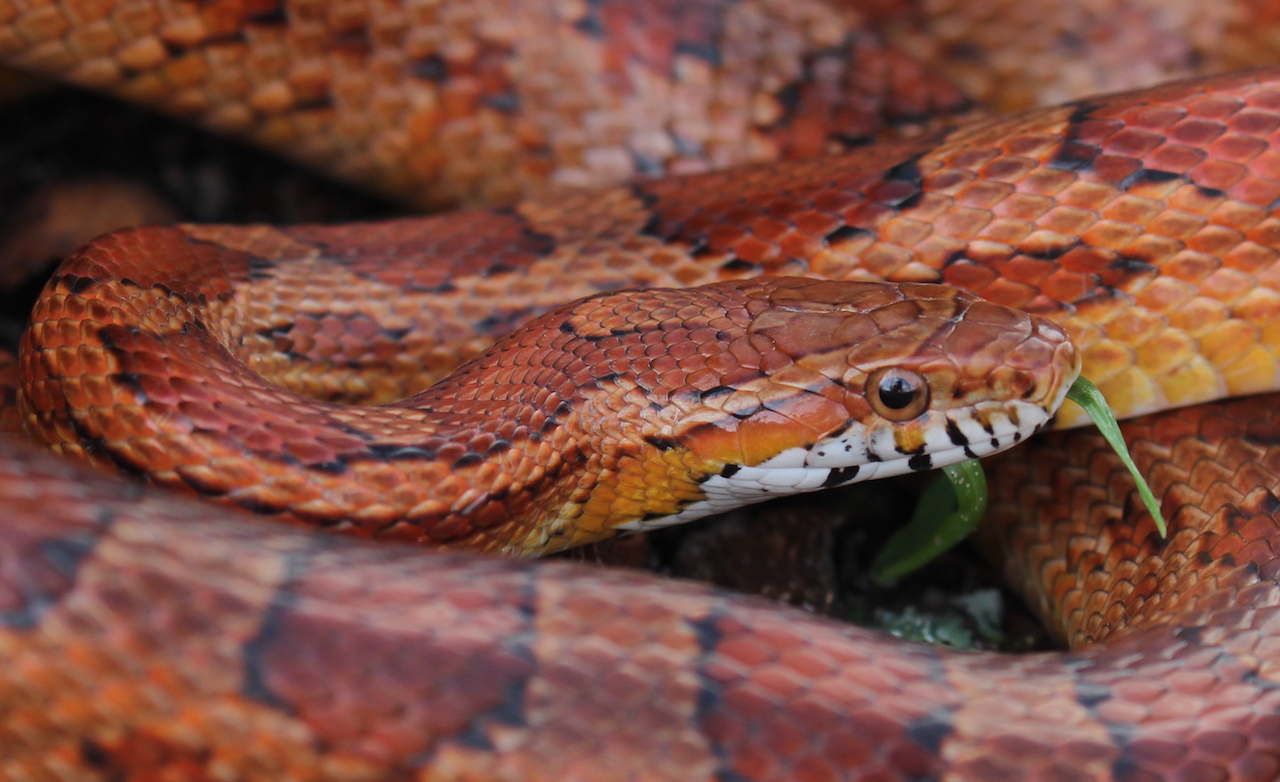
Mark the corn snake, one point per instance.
(1093, 726)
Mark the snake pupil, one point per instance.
(896, 392)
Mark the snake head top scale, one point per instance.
(616, 412)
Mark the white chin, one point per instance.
(849, 458)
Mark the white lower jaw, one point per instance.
(844, 460)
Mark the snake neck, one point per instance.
(618, 411)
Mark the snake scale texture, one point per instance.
(149, 637)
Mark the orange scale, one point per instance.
(122, 423)
(1030, 270)
(789, 209)
(1098, 129)
(724, 323)
(798, 245)
(1237, 149)
(1166, 294)
(773, 361)
(755, 250)
(1009, 169)
(969, 275)
(1251, 190)
(610, 322)
(692, 339)
(932, 254)
(1175, 158)
(691, 313)
(1133, 142)
(93, 309)
(1266, 233)
(837, 202)
(972, 157)
(1004, 231)
(985, 194)
(869, 215)
(891, 191)
(1088, 195)
(948, 180)
(701, 379)
(1259, 548)
(309, 452)
(68, 332)
(770, 229)
(1176, 224)
(724, 235)
(1047, 243)
(681, 374)
(1226, 285)
(721, 361)
(1156, 249)
(1065, 286)
(92, 359)
(1213, 239)
(160, 390)
(1068, 219)
(932, 206)
(1135, 326)
(653, 338)
(1196, 131)
(1218, 174)
(1195, 200)
(1111, 234)
(1009, 293)
(1031, 144)
(745, 354)
(1214, 109)
(203, 416)
(649, 379)
(1259, 306)
(817, 223)
(256, 438)
(897, 235)
(105, 392)
(1252, 121)
(959, 223)
(667, 357)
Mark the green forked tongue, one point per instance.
(950, 509)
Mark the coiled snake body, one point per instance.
(140, 645)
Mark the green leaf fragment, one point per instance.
(1087, 395)
(947, 513)
(949, 510)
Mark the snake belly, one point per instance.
(1142, 223)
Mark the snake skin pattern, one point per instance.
(1009, 56)
(482, 101)
(617, 412)
(146, 637)
(141, 646)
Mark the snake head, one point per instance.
(824, 383)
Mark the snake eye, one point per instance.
(897, 394)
